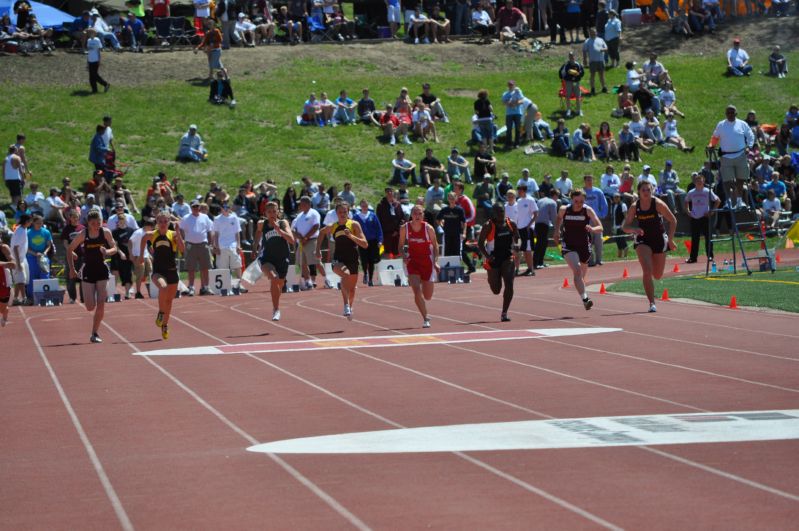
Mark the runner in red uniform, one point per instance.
(652, 241)
(421, 259)
(6, 265)
(574, 226)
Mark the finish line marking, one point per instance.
(378, 341)
(595, 432)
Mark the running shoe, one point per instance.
(95, 339)
(276, 315)
(528, 273)
(190, 293)
(588, 303)
(159, 319)
(328, 284)
(504, 318)
(165, 332)
(426, 323)
(652, 308)
(348, 312)
(204, 291)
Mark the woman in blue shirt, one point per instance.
(40, 242)
(373, 232)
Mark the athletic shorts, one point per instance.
(14, 188)
(658, 244)
(93, 277)
(170, 276)
(423, 268)
(526, 236)
(584, 253)
(734, 169)
(351, 265)
(197, 256)
(281, 269)
(309, 252)
(394, 14)
(370, 255)
(228, 259)
(21, 275)
(596, 66)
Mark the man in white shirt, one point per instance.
(529, 182)
(647, 176)
(142, 269)
(526, 210)
(179, 208)
(734, 138)
(13, 175)
(119, 212)
(481, 20)
(699, 202)
(108, 134)
(197, 231)
(420, 24)
(104, 31)
(93, 47)
(202, 8)
(227, 241)
(54, 208)
(564, 185)
(34, 198)
(19, 251)
(738, 60)
(306, 230)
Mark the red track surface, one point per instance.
(94, 437)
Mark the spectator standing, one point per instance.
(212, 45)
(738, 60)
(160, 8)
(13, 175)
(121, 264)
(547, 212)
(391, 217)
(571, 73)
(512, 99)
(197, 230)
(347, 195)
(452, 220)
(394, 16)
(227, 241)
(373, 233)
(226, 12)
(98, 149)
(526, 214)
(142, 264)
(699, 202)
(595, 198)
(119, 214)
(93, 46)
(618, 211)
(734, 139)
(484, 118)
(306, 231)
(594, 49)
(40, 246)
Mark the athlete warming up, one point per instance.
(348, 237)
(652, 242)
(498, 242)
(272, 239)
(6, 265)
(97, 243)
(574, 227)
(165, 245)
(421, 259)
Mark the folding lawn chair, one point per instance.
(163, 30)
(181, 31)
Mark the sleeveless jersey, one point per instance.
(94, 267)
(164, 251)
(499, 241)
(650, 221)
(420, 248)
(12, 173)
(346, 250)
(274, 248)
(573, 233)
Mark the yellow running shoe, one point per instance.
(159, 319)
(165, 332)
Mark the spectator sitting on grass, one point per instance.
(482, 23)
(312, 112)
(700, 19)
(328, 107)
(245, 30)
(561, 143)
(192, 148)
(403, 170)
(133, 31)
(221, 91)
(104, 31)
(655, 73)
(423, 124)
(777, 63)
(738, 60)
(634, 76)
(541, 128)
(638, 129)
(433, 104)
(672, 136)
(510, 22)
(433, 167)
(78, 28)
(581, 144)
(606, 144)
(484, 194)
(292, 26)
(625, 103)
(344, 109)
(440, 26)
(779, 188)
(458, 166)
(668, 100)
(366, 109)
(391, 125)
(609, 182)
(484, 162)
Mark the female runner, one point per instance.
(652, 242)
(421, 259)
(165, 245)
(6, 265)
(575, 226)
(498, 243)
(98, 243)
(348, 237)
(272, 239)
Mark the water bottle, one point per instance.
(713, 268)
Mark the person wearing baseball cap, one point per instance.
(192, 148)
(738, 60)
(571, 73)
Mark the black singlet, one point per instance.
(651, 222)
(274, 248)
(346, 250)
(94, 267)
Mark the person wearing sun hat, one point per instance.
(192, 148)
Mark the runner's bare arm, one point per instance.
(558, 223)
(517, 244)
(181, 245)
(596, 225)
(431, 235)
(256, 244)
(668, 215)
(481, 240)
(401, 243)
(322, 235)
(284, 230)
(357, 236)
(143, 244)
(112, 249)
(627, 226)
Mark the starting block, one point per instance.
(47, 292)
(221, 283)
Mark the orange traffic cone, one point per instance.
(733, 303)
(676, 268)
(665, 296)
(625, 274)
(602, 290)
(565, 282)
(778, 258)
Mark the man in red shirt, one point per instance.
(466, 204)
(160, 8)
(391, 125)
(510, 21)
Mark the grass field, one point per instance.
(779, 290)
(260, 140)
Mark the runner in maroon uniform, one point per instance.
(652, 241)
(573, 228)
(421, 259)
(6, 265)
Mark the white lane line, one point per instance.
(293, 472)
(700, 466)
(116, 504)
(485, 466)
(649, 360)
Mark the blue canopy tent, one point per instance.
(48, 16)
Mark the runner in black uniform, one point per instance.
(573, 227)
(498, 242)
(348, 237)
(453, 223)
(97, 244)
(165, 246)
(272, 240)
(652, 241)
